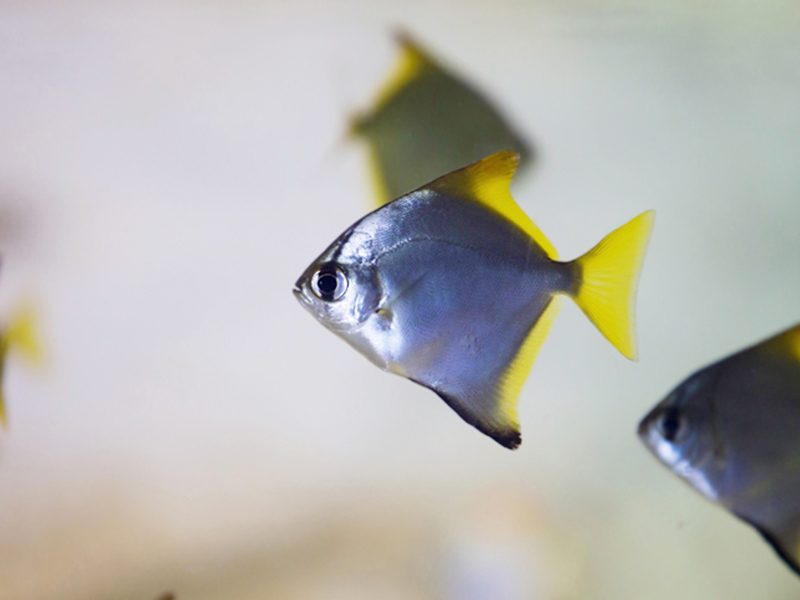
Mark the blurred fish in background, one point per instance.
(732, 431)
(453, 287)
(21, 337)
(428, 121)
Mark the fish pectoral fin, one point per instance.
(488, 182)
(484, 417)
(786, 546)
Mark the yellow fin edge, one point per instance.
(411, 62)
(794, 342)
(519, 369)
(609, 275)
(488, 181)
(786, 341)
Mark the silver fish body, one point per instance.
(453, 287)
(443, 283)
(732, 431)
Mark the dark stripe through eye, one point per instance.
(670, 423)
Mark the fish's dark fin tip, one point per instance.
(512, 442)
(401, 36)
(507, 437)
(775, 544)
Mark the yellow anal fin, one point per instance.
(490, 404)
(609, 274)
(488, 181)
(519, 369)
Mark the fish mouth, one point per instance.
(646, 424)
(301, 296)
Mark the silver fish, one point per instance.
(454, 287)
(732, 432)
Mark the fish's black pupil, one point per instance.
(326, 282)
(670, 424)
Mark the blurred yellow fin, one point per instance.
(520, 367)
(793, 341)
(22, 335)
(609, 274)
(3, 416)
(410, 64)
(488, 181)
(786, 341)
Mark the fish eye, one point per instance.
(329, 283)
(669, 424)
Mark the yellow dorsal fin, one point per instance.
(793, 337)
(609, 274)
(411, 62)
(786, 341)
(488, 181)
(519, 369)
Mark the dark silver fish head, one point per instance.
(681, 433)
(340, 288)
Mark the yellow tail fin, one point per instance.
(609, 275)
(22, 335)
(3, 417)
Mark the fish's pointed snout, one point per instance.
(298, 286)
(644, 426)
(649, 420)
(299, 293)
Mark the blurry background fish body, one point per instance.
(428, 121)
(732, 431)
